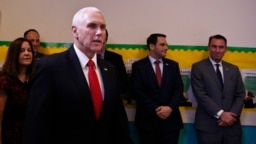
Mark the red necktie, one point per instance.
(158, 72)
(95, 89)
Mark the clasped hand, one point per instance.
(227, 119)
(163, 112)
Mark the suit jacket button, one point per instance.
(223, 97)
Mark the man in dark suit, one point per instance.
(33, 36)
(61, 107)
(220, 98)
(158, 118)
(117, 60)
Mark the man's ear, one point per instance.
(151, 46)
(74, 31)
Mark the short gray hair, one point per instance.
(79, 15)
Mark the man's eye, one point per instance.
(93, 26)
(103, 27)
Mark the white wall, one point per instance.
(186, 22)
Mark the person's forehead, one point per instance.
(33, 34)
(217, 40)
(25, 44)
(94, 17)
(161, 39)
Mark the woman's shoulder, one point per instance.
(4, 81)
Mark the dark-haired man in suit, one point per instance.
(220, 92)
(158, 89)
(34, 37)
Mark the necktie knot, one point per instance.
(90, 64)
(217, 65)
(157, 62)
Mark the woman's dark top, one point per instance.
(15, 108)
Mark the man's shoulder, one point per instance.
(230, 66)
(40, 54)
(112, 52)
(141, 61)
(225, 63)
(202, 62)
(108, 52)
(167, 60)
(53, 58)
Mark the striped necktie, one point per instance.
(158, 72)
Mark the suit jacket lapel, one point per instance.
(212, 72)
(149, 68)
(166, 72)
(226, 74)
(79, 80)
(106, 78)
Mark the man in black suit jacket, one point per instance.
(158, 118)
(34, 37)
(220, 100)
(117, 60)
(60, 107)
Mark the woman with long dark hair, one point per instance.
(15, 77)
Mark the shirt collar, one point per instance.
(83, 58)
(152, 60)
(213, 62)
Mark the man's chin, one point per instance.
(97, 49)
(217, 59)
(97, 46)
